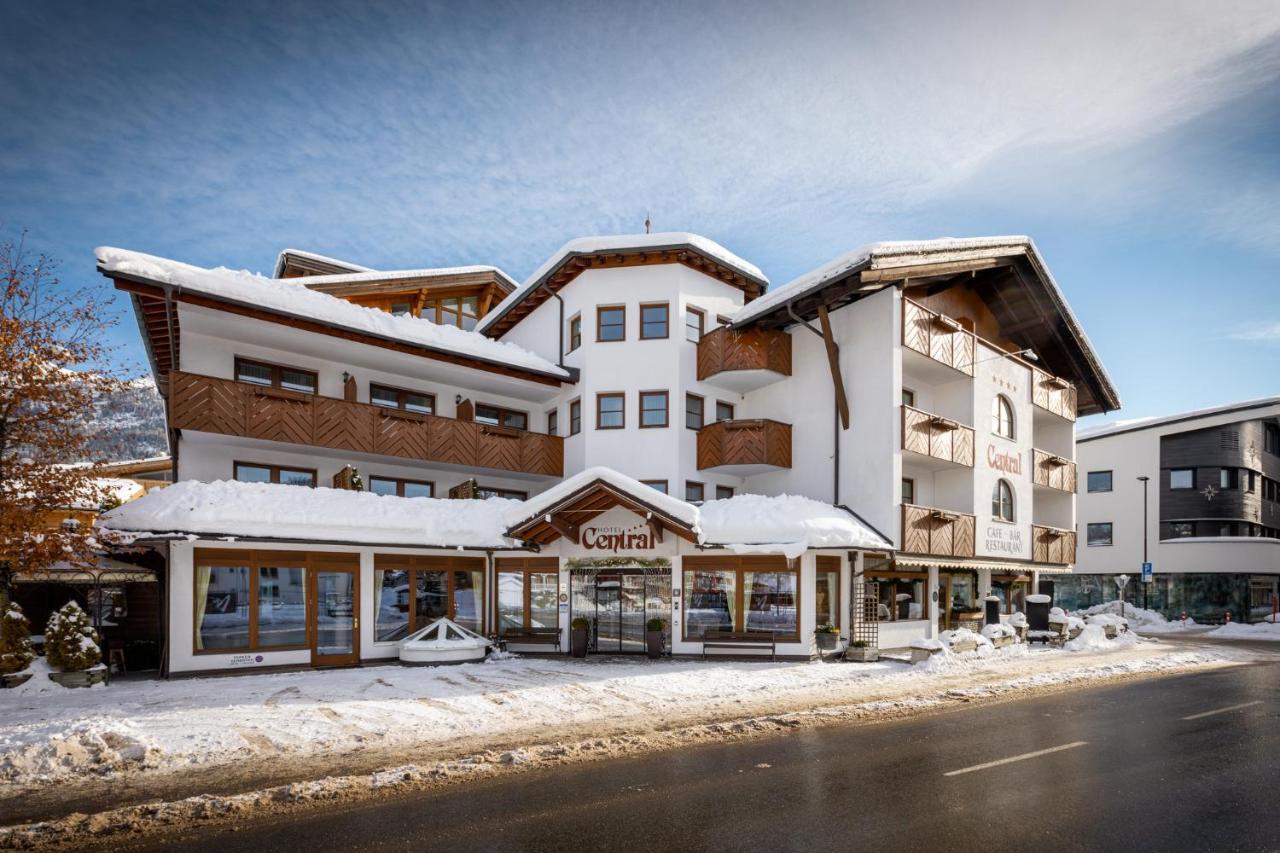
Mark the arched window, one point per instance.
(1002, 416)
(1002, 501)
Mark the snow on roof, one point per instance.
(617, 242)
(903, 251)
(790, 524)
(112, 488)
(276, 511)
(685, 513)
(290, 298)
(393, 275)
(1131, 424)
(312, 256)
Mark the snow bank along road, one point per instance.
(91, 750)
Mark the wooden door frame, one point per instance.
(313, 628)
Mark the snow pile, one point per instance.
(1038, 598)
(1094, 639)
(1105, 619)
(1146, 621)
(103, 747)
(1058, 616)
(788, 524)
(294, 300)
(995, 631)
(1018, 619)
(274, 510)
(927, 644)
(1243, 631)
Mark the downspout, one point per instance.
(164, 610)
(835, 415)
(546, 283)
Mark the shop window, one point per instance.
(498, 416)
(654, 321)
(611, 323)
(1182, 478)
(610, 411)
(903, 595)
(711, 600)
(398, 398)
(653, 409)
(276, 376)
(692, 411)
(253, 472)
(1099, 481)
(415, 591)
(282, 607)
(695, 320)
(527, 600)
(249, 602)
(401, 487)
(1098, 533)
(826, 601)
(740, 594)
(1002, 416)
(1002, 501)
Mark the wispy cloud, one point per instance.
(1267, 331)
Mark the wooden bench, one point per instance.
(531, 637)
(740, 640)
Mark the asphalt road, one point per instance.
(1182, 763)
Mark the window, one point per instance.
(575, 417)
(826, 601)
(1182, 478)
(1098, 533)
(275, 376)
(252, 472)
(694, 491)
(1182, 529)
(247, 601)
(908, 490)
(902, 595)
(461, 311)
(610, 411)
(497, 416)
(752, 594)
(527, 591)
(724, 411)
(1002, 501)
(653, 321)
(653, 409)
(1271, 439)
(723, 493)
(1229, 478)
(1099, 481)
(400, 487)
(1002, 416)
(695, 320)
(611, 323)
(692, 411)
(412, 592)
(658, 485)
(908, 397)
(486, 492)
(398, 398)
(553, 422)
(575, 333)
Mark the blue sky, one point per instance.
(1138, 144)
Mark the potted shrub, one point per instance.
(653, 638)
(828, 636)
(71, 646)
(578, 637)
(860, 651)
(16, 653)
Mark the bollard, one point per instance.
(1228, 617)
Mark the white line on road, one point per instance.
(1022, 757)
(1224, 710)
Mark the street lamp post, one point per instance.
(1144, 480)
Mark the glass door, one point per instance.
(335, 639)
(608, 614)
(617, 605)
(631, 607)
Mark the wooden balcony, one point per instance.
(1054, 472)
(1053, 394)
(940, 532)
(744, 447)
(1052, 545)
(937, 337)
(745, 360)
(936, 437)
(237, 408)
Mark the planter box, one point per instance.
(1001, 642)
(81, 678)
(921, 655)
(827, 641)
(578, 642)
(14, 679)
(653, 644)
(965, 646)
(862, 655)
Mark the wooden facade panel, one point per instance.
(275, 417)
(1053, 545)
(342, 427)
(400, 436)
(938, 337)
(499, 448)
(751, 349)
(1053, 471)
(1052, 394)
(926, 530)
(939, 438)
(216, 406)
(744, 442)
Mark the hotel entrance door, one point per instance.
(617, 604)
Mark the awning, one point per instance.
(969, 563)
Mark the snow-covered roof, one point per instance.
(287, 297)
(395, 275)
(1132, 424)
(284, 256)
(685, 513)
(276, 511)
(789, 524)
(620, 243)
(119, 489)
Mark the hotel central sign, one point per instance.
(1009, 463)
(616, 538)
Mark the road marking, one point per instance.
(1224, 710)
(1022, 757)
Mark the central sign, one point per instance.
(1009, 463)
(615, 538)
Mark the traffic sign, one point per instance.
(1146, 573)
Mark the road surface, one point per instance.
(1181, 763)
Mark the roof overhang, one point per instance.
(566, 515)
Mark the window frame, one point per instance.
(553, 421)
(526, 566)
(622, 326)
(729, 406)
(500, 492)
(702, 411)
(502, 411)
(653, 484)
(909, 397)
(413, 564)
(1000, 405)
(825, 564)
(611, 395)
(401, 402)
(274, 472)
(701, 490)
(740, 565)
(997, 498)
(575, 332)
(1088, 479)
(400, 483)
(894, 574)
(903, 487)
(1191, 471)
(575, 416)
(1088, 534)
(666, 409)
(666, 321)
(276, 370)
(255, 561)
(721, 489)
(694, 311)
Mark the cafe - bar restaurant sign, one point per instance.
(617, 538)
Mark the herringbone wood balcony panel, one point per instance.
(744, 442)
(753, 349)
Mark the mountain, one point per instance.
(130, 423)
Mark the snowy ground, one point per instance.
(1150, 622)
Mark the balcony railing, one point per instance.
(755, 443)
(726, 350)
(939, 532)
(937, 336)
(237, 408)
(1052, 545)
(936, 436)
(1053, 394)
(1056, 472)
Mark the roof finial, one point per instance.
(647, 223)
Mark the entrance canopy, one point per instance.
(562, 510)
